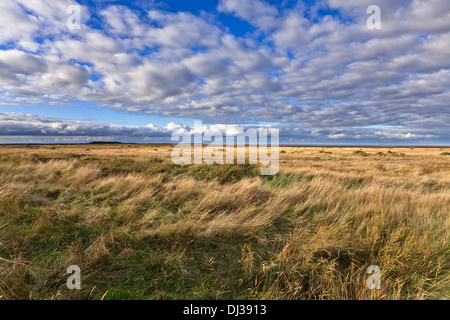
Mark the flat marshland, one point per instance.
(141, 227)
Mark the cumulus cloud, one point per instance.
(327, 74)
(257, 12)
(16, 124)
(17, 127)
(16, 65)
(15, 22)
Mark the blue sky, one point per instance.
(137, 70)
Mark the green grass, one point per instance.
(228, 173)
(285, 181)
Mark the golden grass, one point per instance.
(140, 227)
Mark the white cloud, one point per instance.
(257, 12)
(15, 23)
(331, 73)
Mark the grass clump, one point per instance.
(361, 153)
(285, 180)
(228, 173)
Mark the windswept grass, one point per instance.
(140, 227)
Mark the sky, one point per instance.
(135, 71)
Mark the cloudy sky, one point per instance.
(137, 70)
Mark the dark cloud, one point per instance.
(16, 127)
